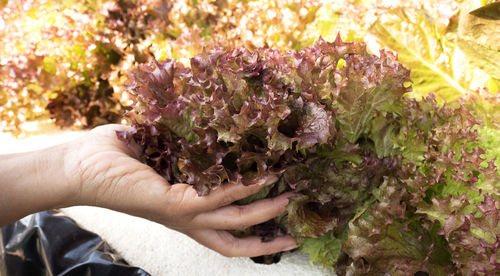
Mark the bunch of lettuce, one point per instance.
(389, 184)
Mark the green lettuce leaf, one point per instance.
(425, 49)
(402, 247)
(479, 36)
(325, 250)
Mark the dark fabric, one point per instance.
(47, 243)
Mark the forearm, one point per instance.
(32, 182)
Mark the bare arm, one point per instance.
(33, 181)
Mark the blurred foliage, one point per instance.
(181, 29)
(55, 56)
(479, 37)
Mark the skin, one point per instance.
(99, 170)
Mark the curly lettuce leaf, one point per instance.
(331, 194)
(402, 247)
(473, 235)
(325, 250)
(489, 139)
(382, 239)
(453, 183)
(359, 100)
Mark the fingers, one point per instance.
(229, 193)
(228, 245)
(240, 217)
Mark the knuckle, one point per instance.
(240, 222)
(233, 249)
(231, 245)
(239, 211)
(227, 198)
(236, 217)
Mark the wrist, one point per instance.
(55, 176)
(33, 181)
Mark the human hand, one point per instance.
(105, 172)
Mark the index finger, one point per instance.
(225, 194)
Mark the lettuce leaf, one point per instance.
(397, 247)
(326, 249)
(479, 34)
(425, 49)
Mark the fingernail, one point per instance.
(290, 247)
